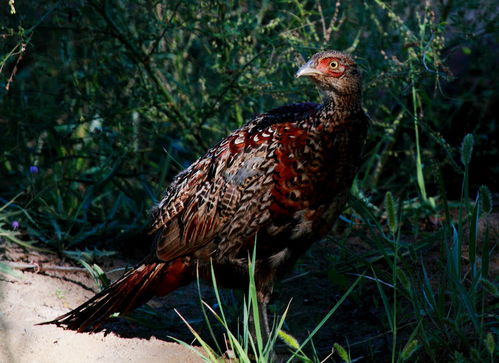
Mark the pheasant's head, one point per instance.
(335, 74)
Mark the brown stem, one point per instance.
(38, 267)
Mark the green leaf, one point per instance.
(490, 343)
(467, 149)
(473, 232)
(402, 277)
(490, 287)
(386, 303)
(486, 202)
(409, 349)
(342, 352)
(9, 271)
(391, 214)
(97, 273)
(290, 340)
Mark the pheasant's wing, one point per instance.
(203, 199)
(234, 176)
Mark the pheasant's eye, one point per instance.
(333, 65)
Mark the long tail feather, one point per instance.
(133, 289)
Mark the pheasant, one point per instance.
(279, 181)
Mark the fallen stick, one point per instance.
(39, 267)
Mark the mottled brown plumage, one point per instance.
(280, 180)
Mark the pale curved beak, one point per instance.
(308, 69)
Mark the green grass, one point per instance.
(88, 146)
(247, 347)
(451, 310)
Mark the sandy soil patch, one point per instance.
(40, 297)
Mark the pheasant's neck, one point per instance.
(342, 103)
(336, 111)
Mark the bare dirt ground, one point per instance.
(38, 297)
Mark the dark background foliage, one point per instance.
(110, 99)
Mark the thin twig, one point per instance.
(167, 26)
(14, 71)
(323, 21)
(295, 277)
(38, 267)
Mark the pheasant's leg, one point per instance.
(263, 323)
(264, 328)
(264, 319)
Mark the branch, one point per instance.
(38, 267)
